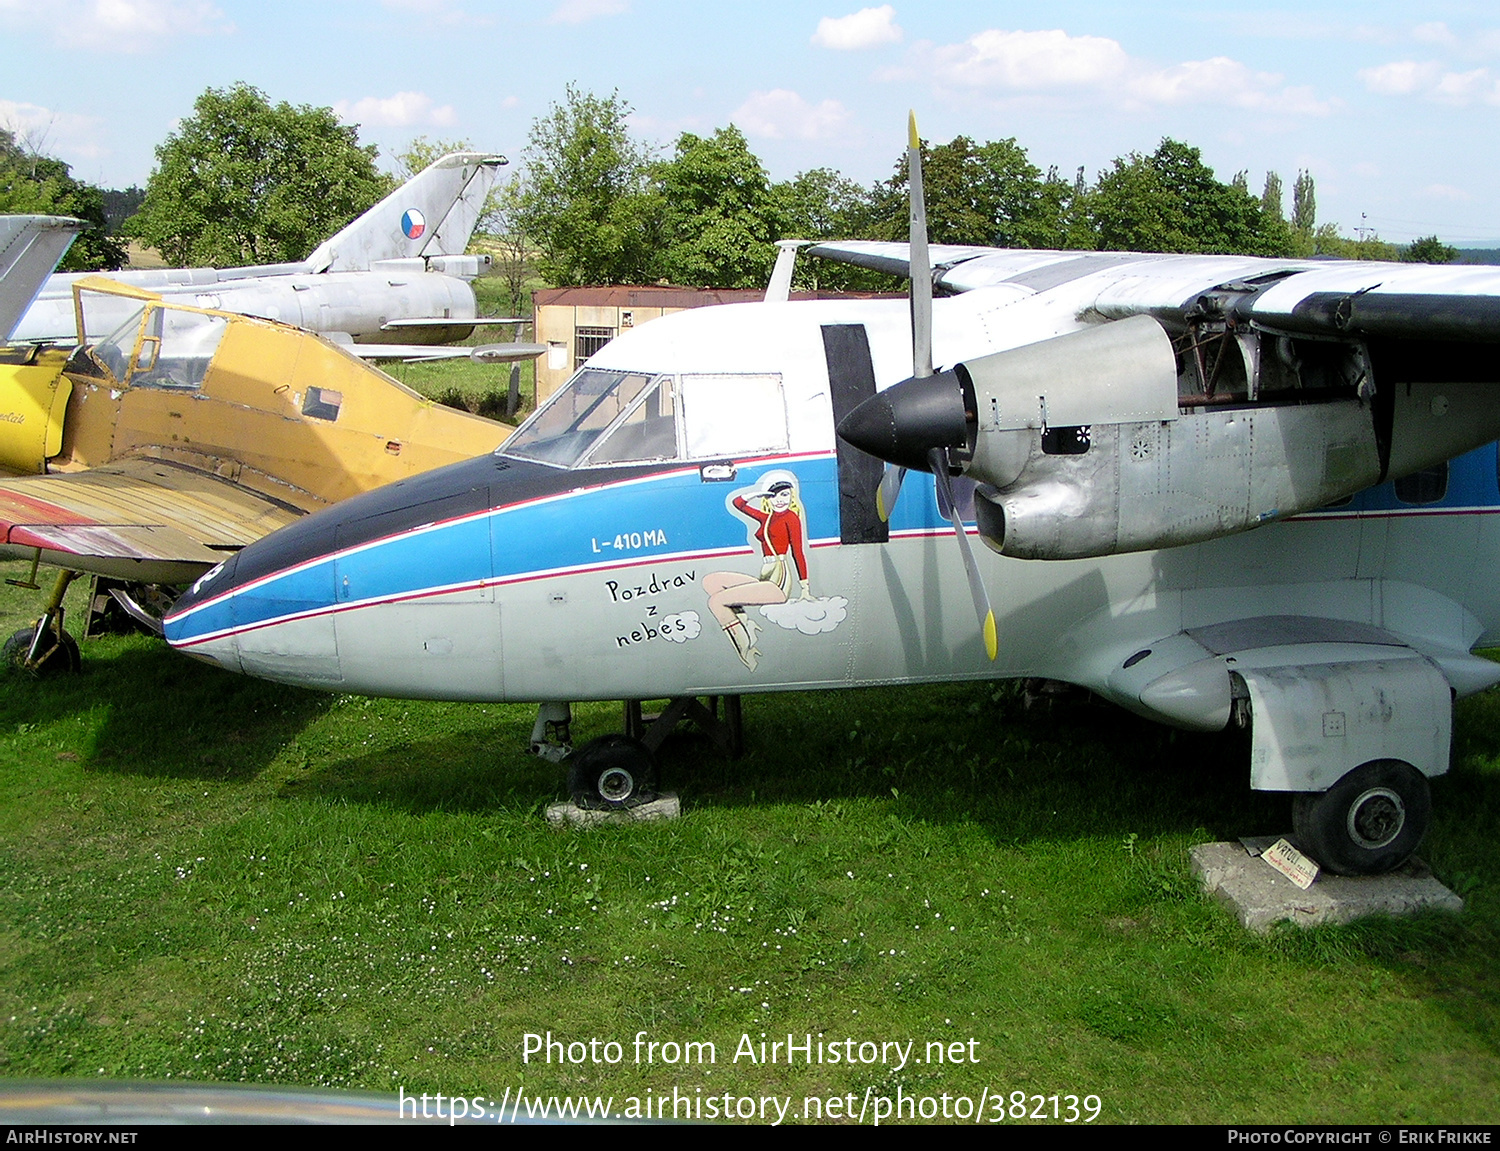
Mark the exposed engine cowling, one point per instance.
(1122, 438)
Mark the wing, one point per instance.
(137, 519)
(484, 354)
(1339, 298)
(30, 247)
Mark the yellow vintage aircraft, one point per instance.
(152, 450)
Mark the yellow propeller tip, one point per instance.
(911, 130)
(884, 515)
(991, 640)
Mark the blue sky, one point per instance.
(1395, 113)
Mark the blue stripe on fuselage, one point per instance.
(640, 520)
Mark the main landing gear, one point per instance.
(1369, 822)
(44, 648)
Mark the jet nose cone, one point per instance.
(903, 423)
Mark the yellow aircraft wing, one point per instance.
(144, 520)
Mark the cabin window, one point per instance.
(728, 416)
(323, 404)
(1427, 486)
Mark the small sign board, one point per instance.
(1291, 863)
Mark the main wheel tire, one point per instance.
(1369, 822)
(613, 771)
(59, 658)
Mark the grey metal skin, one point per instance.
(359, 281)
(30, 247)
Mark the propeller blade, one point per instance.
(920, 262)
(920, 299)
(889, 489)
(939, 460)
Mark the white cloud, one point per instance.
(1225, 81)
(867, 28)
(1446, 192)
(681, 627)
(403, 110)
(582, 11)
(128, 26)
(51, 133)
(1428, 79)
(1435, 33)
(782, 114)
(809, 616)
(1028, 61)
(1003, 63)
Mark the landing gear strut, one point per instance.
(44, 648)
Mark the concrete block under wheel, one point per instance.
(1260, 896)
(664, 806)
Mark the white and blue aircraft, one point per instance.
(1213, 489)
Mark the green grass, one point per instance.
(212, 878)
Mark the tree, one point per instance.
(586, 204)
(244, 182)
(1304, 214)
(986, 194)
(1429, 250)
(1270, 197)
(720, 219)
(1170, 201)
(503, 222)
(33, 184)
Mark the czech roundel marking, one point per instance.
(413, 223)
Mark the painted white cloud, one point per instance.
(809, 616)
(403, 110)
(867, 28)
(128, 26)
(681, 627)
(52, 133)
(582, 11)
(1001, 63)
(1428, 79)
(782, 114)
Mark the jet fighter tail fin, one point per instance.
(432, 214)
(30, 247)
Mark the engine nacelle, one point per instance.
(1137, 486)
(1094, 443)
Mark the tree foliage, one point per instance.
(243, 181)
(719, 218)
(33, 184)
(1170, 201)
(1429, 250)
(587, 204)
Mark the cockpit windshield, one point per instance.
(603, 417)
(575, 422)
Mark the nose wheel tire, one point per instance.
(613, 771)
(1367, 823)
